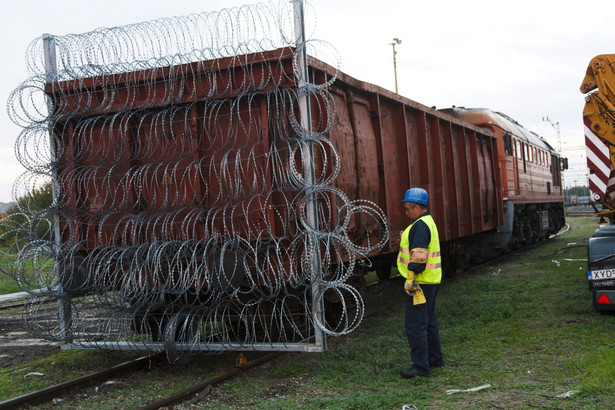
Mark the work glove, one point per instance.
(419, 297)
(414, 289)
(410, 286)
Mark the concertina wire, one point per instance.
(181, 223)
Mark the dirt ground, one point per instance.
(17, 345)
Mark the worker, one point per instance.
(419, 262)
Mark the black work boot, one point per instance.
(413, 371)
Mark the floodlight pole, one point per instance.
(395, 41)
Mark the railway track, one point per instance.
(124, 369)
(49, 393)
(580, 213)
(185, 394)
(57, 391)
(12, 306)
(60, 390)
(241, 366)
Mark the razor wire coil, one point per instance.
(178, 211)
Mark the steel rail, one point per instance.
(51, 392)
(12, 306)
(183, 395)
(191, 391)
(580, 213)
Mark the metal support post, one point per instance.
(64, 302)
(308, 171)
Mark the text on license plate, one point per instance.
(601, 274)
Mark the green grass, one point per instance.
(34, 271)
(525, 326)
(15, 381)
(8, 285)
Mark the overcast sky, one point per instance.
(526, 59)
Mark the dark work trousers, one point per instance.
(422, 330)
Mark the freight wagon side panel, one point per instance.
(455, 164)
(399, 143)
(356, 138)
(197, 169)
(387, 143)
(394, 162)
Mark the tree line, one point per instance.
(29, 217)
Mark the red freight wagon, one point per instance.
(185, 157)
(389, 143)
(161, 172)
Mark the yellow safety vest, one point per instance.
(433, 267)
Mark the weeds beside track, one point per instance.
(524, 325)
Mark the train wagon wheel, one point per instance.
(148, 313)
(383, 270)
(74, 275)
(334, 305)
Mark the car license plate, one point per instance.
(601, 274)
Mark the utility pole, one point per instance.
(556, 126)
(395, 41)
(559, 150)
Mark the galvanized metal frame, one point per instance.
(308, 170)
(64, 304)
(317, 310)
(157, 347)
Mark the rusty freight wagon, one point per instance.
(389, 143)
(182, 195)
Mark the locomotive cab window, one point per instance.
(531, 154)
(518, 152)
(507, 144)
(542, 157)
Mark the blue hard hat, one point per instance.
(417, 195)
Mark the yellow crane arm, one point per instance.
(600, 104)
